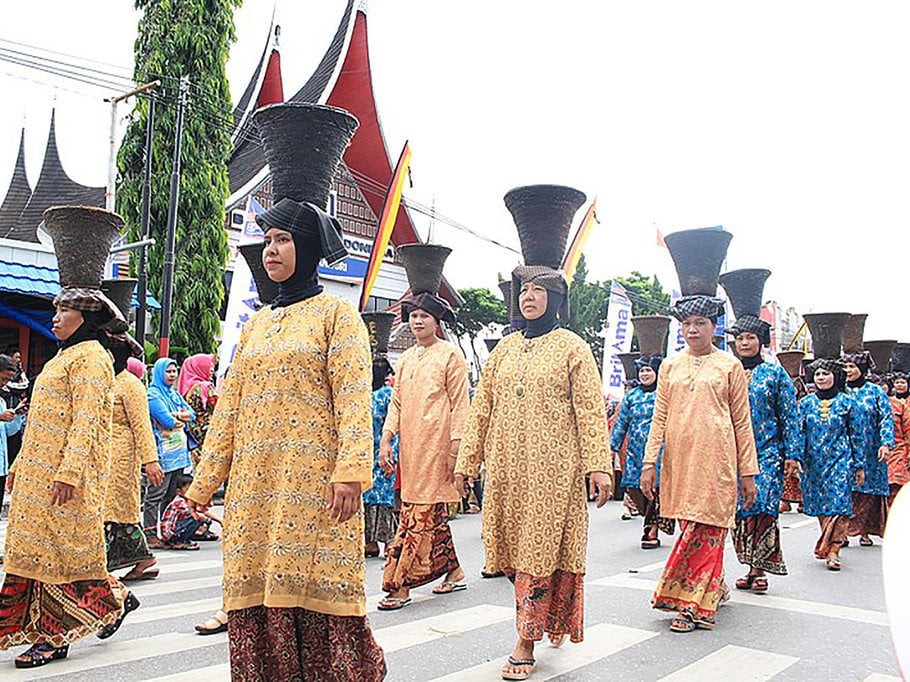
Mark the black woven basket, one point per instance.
(745, 288)
(543, 215)
(120, 291)
(698, 256)
(881, 353)
(82, 237)
(826, 330)
(651, 331)
(791, 361)
(379, 329)
(423, 264)
(900, 358)
(852, 336)
(628, 364)
(303, 144)
(265, 287)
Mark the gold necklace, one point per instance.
(699, 362)
(526, 348)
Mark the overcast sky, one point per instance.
(786, 122)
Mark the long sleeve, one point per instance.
(91, 401)
(392, 422)
(350, 377)
(801, 435)
(885, 418)
(457, 390)
(473, 440)
(590, 418)
(741, 415)
(160, 412)
(788, 416)
(659, 420)
(135, 405)
(856, 438)
(218, 453)
(13, 427)
(623, 418)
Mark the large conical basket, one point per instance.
(379, 329)
(423, 264)
(826, 330)
(628, 364)
(506, 288)
(82, 237)
(852, 336)
(303, 144)
(791, 361)
(120, 293)
(265, 287)
(900, 358)
(881, 353)
(698, 256)
(651, 331)
(745, 289)
(543, 215)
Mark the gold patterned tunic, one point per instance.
(428, 409)
(294, 416)
(132, 445)
(537, 448)
(702, 416)
(67, 439)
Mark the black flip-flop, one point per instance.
(35, 658)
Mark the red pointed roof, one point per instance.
(272, 91)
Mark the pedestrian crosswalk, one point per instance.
(733, 664)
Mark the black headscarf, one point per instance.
(382, 368)
(753, 362)
(546, 322)
(304, 283)
(836, 367)
(121, 355)
(90, 329)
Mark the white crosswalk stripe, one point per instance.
(733, 664)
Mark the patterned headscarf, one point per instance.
(753, 325)
(703, 306)
(652, 361)
(85, 299)
(438, 307)
(863, 360)
(548, 278)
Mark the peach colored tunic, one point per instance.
(702, 416)
(428, 409)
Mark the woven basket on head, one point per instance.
(881, 353)
(852, 336)
(543, 215)
(506, 288)
(791, 361)
(423, 264)
(628, 364)
(82, 238)
(745, 289)
(303, 144)
(651, 331)
(379, 329)
(900, 358)
(265, 287)
(698, 256)
(826, 330)
(120, 291)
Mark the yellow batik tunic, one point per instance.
(537, 448)
(428, 409)
(702, 417)
(132, 446)
(294, 417)
(67, 439)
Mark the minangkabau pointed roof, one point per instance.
(17, 194)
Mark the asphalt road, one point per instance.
(812, 625)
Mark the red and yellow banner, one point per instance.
(578, 242)
(386, 224)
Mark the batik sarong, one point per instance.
(126, 545)
(870, 512)
(380, 523)
(792, 491)
(32, 611)
(422, 550)
(650, 511)
(270, 644)
(693, 580)
(834, 535)
(552, 604)
(757, 542)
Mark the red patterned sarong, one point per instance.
(693, 580)
(870, 512)
(422, 550)
(834, 534)
(271, 644)
(553, 604)
(792, 491)
(32, 611)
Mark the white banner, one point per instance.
(676, 342)
(618, 339)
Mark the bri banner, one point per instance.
(617, 340)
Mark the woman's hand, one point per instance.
(385, 458)
(63, 493)
(602, 484)
(7, 416)
(747, 491)
(10, 477)
(463, 484)
(154, 473)
(860, 477)
(198, 508)
(883, 453)
(344, 500)
(648, 483)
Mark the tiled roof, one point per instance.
(18, 193)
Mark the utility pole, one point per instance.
(167, 290)
(142, 287)
(112, 155)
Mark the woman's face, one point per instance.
(853, 372)
(170, 374)
(647, 376)
(532, 300)
(823, 379)
(422, 324)
(900, 385)
(747, 344)
(698, 332)
(279, 257)
(66, 321)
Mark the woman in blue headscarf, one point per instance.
(170, 414)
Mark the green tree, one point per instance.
(481, 309)
(588, 310)
(647, 295)
(186, 38)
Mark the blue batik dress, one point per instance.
(830, 453)
(875, 418)
(634, 420)
(380, 523)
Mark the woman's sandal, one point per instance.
(866, 542)
(650, 543)
(36, 655)
(183, 546)
(681, 624)
(214, 624)
(833, 563)
(449, 586)
(393, 603)
(518, 663)
(557, 640)
(130, 604)
(133, 575)
(760, 584)
(745, 583)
